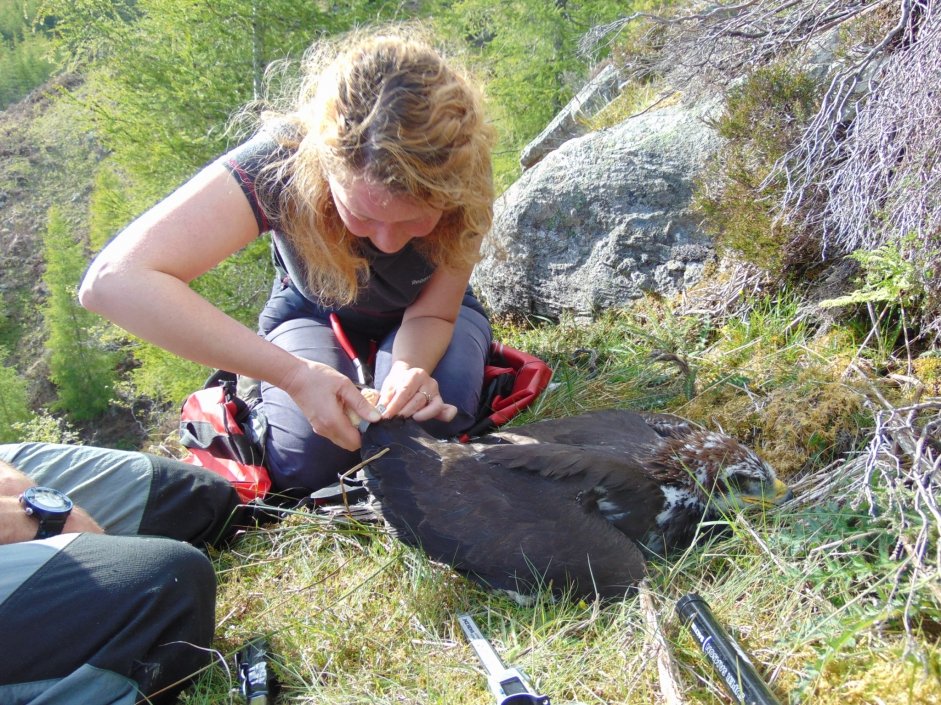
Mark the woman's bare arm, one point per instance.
(141, 282)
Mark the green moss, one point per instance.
(769, 110)
(891, 676)
(810, 423)
(770, 380)
(928, 371)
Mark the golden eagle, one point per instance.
(572, 504)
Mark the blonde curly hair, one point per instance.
(387, 108)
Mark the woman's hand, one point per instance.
(324, 395)
(411, 391)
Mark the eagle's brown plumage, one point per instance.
(572, 502)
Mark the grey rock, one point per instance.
(602, 220)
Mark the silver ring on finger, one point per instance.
(428, 397)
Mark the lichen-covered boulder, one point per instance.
(601, 220)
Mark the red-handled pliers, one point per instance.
(363, 376)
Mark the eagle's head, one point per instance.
(706, 475)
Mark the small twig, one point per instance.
(352, 471)
(660, 99)
(658, 647)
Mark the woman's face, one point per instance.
(389, 221)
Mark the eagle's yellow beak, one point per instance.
(779, 494)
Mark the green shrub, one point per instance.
(23, 66)
(25, 51)
(109, 209)
(45, 428)
(14, 403)
(763, 119)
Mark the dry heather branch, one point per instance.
(722, 42)
(912, 477)
(657, 647)
(899, 477)
(731, 294)
(877, 177)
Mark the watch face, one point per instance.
(48, 499)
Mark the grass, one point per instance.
(819, 593)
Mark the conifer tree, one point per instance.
(24, 51)
(14, 403)
(108, 209)
(82, 370)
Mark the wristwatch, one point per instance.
(50, 506)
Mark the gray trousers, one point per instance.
(299, 460)
(90, 618)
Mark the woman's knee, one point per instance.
(297, 458)
(460, 372)
(310, 339)
(284, 304)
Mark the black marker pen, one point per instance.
(736, 671)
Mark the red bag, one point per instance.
(512, 381)
(225, 435)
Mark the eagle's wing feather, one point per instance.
(510, 529)
(585, 467)
(619, 430)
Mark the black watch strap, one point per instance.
(50, 526)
